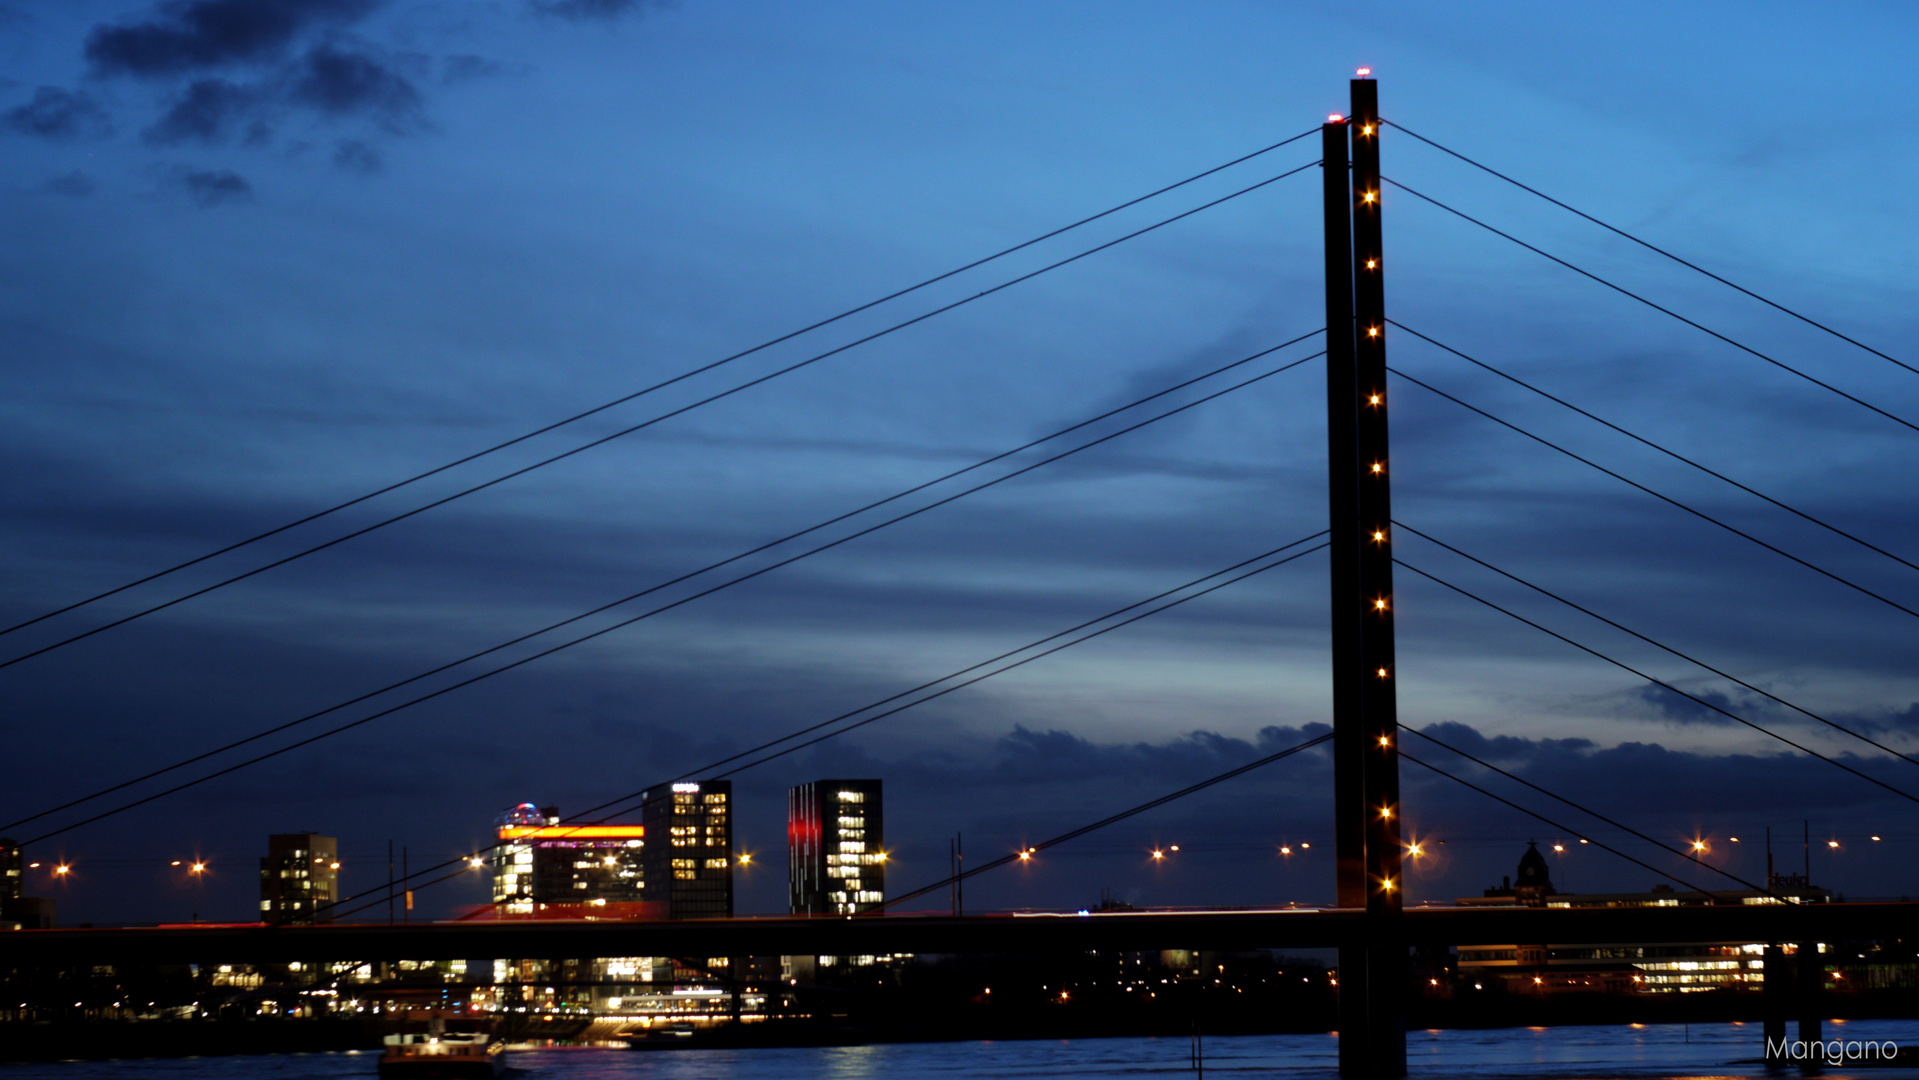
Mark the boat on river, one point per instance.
(465, 1050)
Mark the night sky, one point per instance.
(264, 256)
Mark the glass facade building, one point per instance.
(542, 861)
(836, 855)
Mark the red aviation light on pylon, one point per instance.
(1335, 118)
(1365, 73)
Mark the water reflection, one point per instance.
(1638, 1051)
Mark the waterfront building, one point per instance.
(689, 864)
(836, 854)
(542, 861)
(298, 878)
(18, 911)
(13, 871)
(1622, 967)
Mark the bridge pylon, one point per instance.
(1366, 810)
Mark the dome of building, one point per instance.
(1533, 873)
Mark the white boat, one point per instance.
(438, 1053)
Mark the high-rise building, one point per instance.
(689, 864)
(542, 860)
(13, 871)
(836, 847)
(298, 878)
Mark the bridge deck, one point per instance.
(1284, 928)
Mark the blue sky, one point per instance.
(265, 257)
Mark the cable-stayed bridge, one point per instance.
(1369, 925)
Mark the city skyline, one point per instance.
(252, 277)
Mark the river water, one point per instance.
(1560, 1053)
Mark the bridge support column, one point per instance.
(1365, 724)
(1775, 999)
(1811, 985)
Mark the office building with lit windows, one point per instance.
(13, 871)
(1623, 967)
(689, 861)
(543, 863)
(836, 855)
(299, 877)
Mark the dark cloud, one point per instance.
(214, 187)
(340, 81)
(357, 156)
(595, 9)
(1683, 710)
(193, 35)
(1903, 720)
(55, 113)
(74, 185)
(335, 79)
(209, 112)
